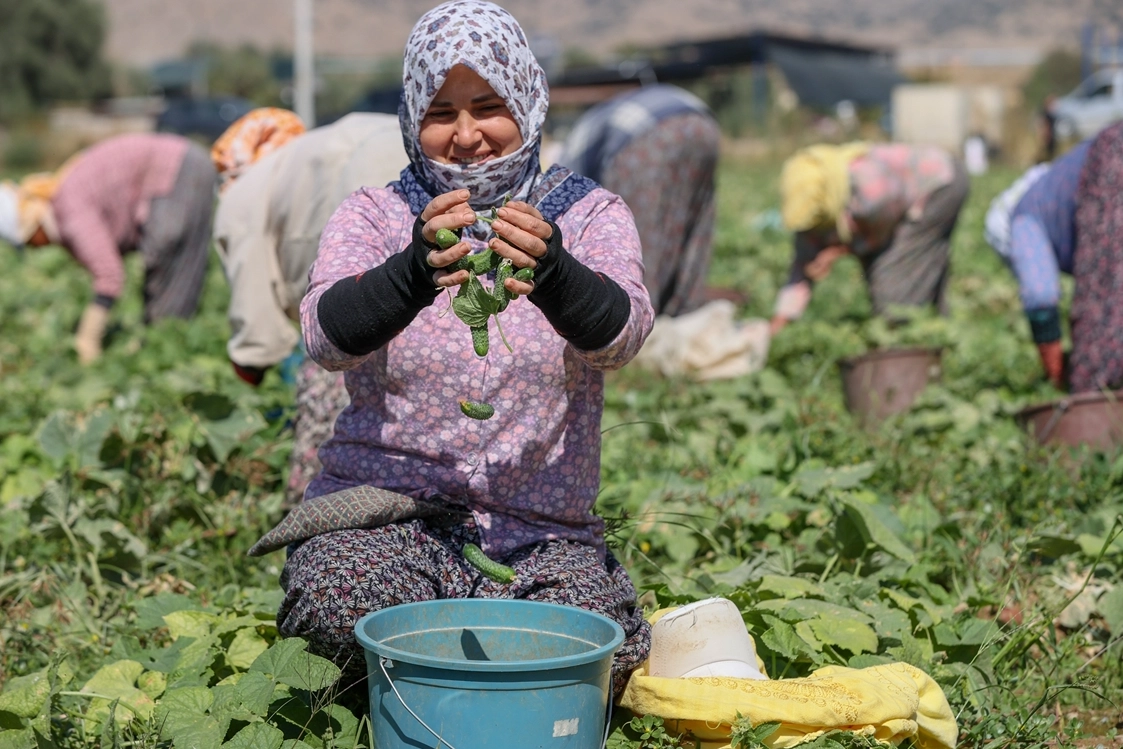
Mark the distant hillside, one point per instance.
(144, 31)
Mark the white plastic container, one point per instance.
(704, 638)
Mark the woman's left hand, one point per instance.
(521, 234)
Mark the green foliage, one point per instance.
(242, 71)
(214, 679)
(23, 151)
(50, 50)
(644, 732)
(130, 614)
(1057, 74)
(747, 736)
(578, 57)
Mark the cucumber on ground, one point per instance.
(491, 569)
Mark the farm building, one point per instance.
(744, 77)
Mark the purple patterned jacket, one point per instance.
(532, 471)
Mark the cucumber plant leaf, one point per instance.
(473, 304)
(875, 531)
(288, 663)
(256, 736)
(25, 696)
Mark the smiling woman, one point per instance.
(468, 123)
(521, 484)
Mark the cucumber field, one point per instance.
(130, 491)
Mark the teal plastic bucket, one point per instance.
(488, 673)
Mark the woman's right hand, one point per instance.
(448, 211)
(1053, 362)
(819, 268)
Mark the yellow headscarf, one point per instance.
(815, 187)
(252, 136)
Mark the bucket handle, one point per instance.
(1058, 412)
(382, 661)
(382, 664)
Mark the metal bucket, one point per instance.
(485, 673)
(1091, 419)
(882, 383)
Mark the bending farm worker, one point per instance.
(152, 193)
(892, 206)
(1068, 219)
(522, 484)
(657, 148)
(280, 188)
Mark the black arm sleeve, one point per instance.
(362, 313)
(807, 248)
(586, 308)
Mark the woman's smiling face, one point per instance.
(467, 122)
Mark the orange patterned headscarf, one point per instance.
(252, 136)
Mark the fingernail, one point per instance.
(497, 225)
(503, 212)
(464, 194)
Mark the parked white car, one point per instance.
(1093, 105)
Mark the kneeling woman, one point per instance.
(523, 483)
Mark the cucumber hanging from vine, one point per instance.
(474, 304)
(446, 238)
(473, 410)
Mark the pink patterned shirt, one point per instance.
(890, 182)
(103, 200)
(531, 472)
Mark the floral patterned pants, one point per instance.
(332, 580)
(1097, 300)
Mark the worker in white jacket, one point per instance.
(280, 187)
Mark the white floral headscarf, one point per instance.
(488, 40)
(9, 214)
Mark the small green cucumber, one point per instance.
(526, 275)
(479, 339)
(491, 569)
(446, 238)
(473, 410)
(480, 263)
(493, 259)
(499, 291)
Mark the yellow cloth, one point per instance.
(891, 703)
(252, 136)
(815, 187)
